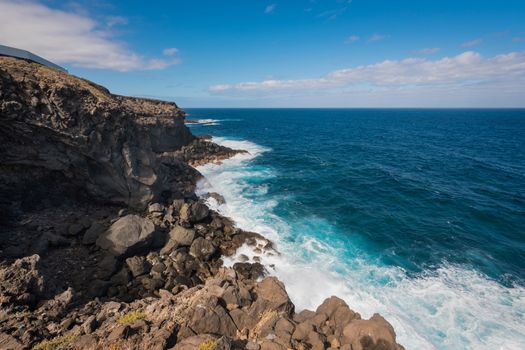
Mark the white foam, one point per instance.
(206, 122)
(450, 308)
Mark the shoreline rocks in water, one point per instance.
(104, 245)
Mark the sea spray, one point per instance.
(449, 307)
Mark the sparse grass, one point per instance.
(131, 317)
(208, 345)
(267, 314)
(55, 343)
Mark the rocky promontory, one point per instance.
(104, 244)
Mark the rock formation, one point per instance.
(104, 245)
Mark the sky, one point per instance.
(277, 53)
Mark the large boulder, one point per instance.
(178, 237)
(202, 249)
(375, 333)
(129, 235)
(194, 212)
(271, 296)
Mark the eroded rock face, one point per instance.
(21, 283)
(104, 279)
(62, 132)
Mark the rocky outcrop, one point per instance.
(107, 246)
(62, 132)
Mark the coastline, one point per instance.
(118, 251)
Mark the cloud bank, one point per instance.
(466, 69)
(70, 38)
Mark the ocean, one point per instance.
(416, 214)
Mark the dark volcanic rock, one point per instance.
(129, 235)
(21, 283)
(80, 166)
(63, 133)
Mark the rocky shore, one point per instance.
(104, 244)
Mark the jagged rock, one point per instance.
(20, 282)
(249, 270)
(202, 249)
(138, 265)
(271, 295)
(194, 212)
(375, 333)
(215, 196)
(129, 235)
(57, 306)
(178, 237)
(209, 316)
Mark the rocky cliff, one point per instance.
(60, 132)
(104, 245)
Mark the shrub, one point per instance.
(55, 343)
(208, 345)
(131, 317)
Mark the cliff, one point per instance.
(62, 132)
(104, 245)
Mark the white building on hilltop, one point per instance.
(26, 55)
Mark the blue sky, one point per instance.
(303, 53)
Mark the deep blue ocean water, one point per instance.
(416, 214)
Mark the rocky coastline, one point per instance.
(104, 244)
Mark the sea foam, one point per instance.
(451, 307)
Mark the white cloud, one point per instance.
(69, 38)
(427, 51)
(170, 51)
(269, 8)
(467, 69)
(112, 21)
(377, 37)
(472, 43)
(351, 39)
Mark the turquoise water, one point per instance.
(416, 214)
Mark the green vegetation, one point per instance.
(131, 317)
(208, 345)
(55, 343)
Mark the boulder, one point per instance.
(375, 333)
(248, 270)
(209, 316)
(271, 296)
(21, 283)
(138, 265)
(178, 237)
(194, 212)
(202, 249)
(129, 235)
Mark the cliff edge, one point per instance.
(104, 245)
